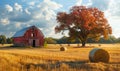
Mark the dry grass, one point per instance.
(52, 59)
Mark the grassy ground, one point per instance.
(51, 58)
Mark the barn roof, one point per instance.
(22, 32)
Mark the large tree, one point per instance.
(83, 23)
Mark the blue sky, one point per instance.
(18, 14)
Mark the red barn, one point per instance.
(30, 36)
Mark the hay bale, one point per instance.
(63, 49)
(99, 45)
(99, 55)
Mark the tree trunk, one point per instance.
(83, 39)
(83, 43)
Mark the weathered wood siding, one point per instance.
(32, 34)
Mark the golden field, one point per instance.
(50, 58)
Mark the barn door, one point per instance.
(33, 43)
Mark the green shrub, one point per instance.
(45, 44)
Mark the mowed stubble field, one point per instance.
(51, 58)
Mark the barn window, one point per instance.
(32, 35)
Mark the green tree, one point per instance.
(63, 40)
(118, 40)
(2, 39)
(9, 40)
(50, 40)
(113, 39)
(83, 23)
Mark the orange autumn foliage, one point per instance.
(83, 23)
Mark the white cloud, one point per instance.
(39, 13)
(18, 25)
(5, 21)
(113, 16)
(42, 15)
(116, 32)
(114, 8)
(114, 22)
(49, 4)
(31, 3)
(45, 16)
(26, 10)
(110, 7)
(18, 7)
(41, 29)
(46, 10)
(9, 8)
(79, 2)
(101, 4)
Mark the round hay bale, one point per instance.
(99, 55)
(99, 45)
(63, 49)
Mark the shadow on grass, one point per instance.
(16, 47)
(84, 47)
(57, 64)
(63, 65)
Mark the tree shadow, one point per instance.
(11, 47)
(84, 47)
(57, 64)
(77, 65)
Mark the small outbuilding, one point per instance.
(29, 36)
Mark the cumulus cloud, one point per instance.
(4, 21)
(20, 17)
(42, 15)
(101, 4)
(18, 24)
(48, 4)
(18, 7)
(46, 11)
(31, 3)
(114, 8)
(110, 7)
(9, 8)
(26, 10)
(79, 2)
(45, 16)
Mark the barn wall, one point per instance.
(27, 39)
(38, 37)
(18, 41)
(41, 38)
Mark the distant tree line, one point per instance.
(5, 40)
(67, 40)
(64, 40)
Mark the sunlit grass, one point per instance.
(52, 59)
